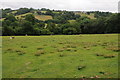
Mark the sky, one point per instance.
(70, 5)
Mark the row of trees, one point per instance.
(102, 25)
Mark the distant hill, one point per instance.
(43, 16)
(46, 22)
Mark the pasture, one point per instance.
(91, 16)
(43, 17)
(61, 56)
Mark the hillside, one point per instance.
(91, 15)
(44, 43)
(53, 22)
(46, 17)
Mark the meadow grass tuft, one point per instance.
(116, 49)
(69, 49)
(38, 53)
(39, 48)
(61, 55)
(81, 67)
(109, 56)
(99, 54)
(9, 49)
(20, 52)
(60, 50)
(23, 46)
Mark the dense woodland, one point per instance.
(103, 22)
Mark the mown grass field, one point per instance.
(61, 56)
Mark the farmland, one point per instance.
(61, 56)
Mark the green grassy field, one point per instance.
(61, 56)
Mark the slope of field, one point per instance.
(43, 17)
(71, 21)
(91, 16)
(2, 19)
(47, 17)
(22, 15)
(43, 11)
(39, 17)
(61, 56)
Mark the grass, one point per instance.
(38, 53)
(43, 17)
(2, 19)
(43, 11)
(22, 15)
(71, 21)
(60, 56)
(13, 12)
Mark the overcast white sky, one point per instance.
(71, 5)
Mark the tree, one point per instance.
(51, 27)
(5, 12)
(96, 26)
(39, 25)
(57, 30)
(113, 23)
(44, 9)
(69, 31)
(37, 31)
(45, 32)
(30, 18)
(27, 27)
(10, 17)
(22, 11)
(49, 12)
(8, 31)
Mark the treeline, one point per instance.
(59, 24)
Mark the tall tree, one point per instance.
(30, 18)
